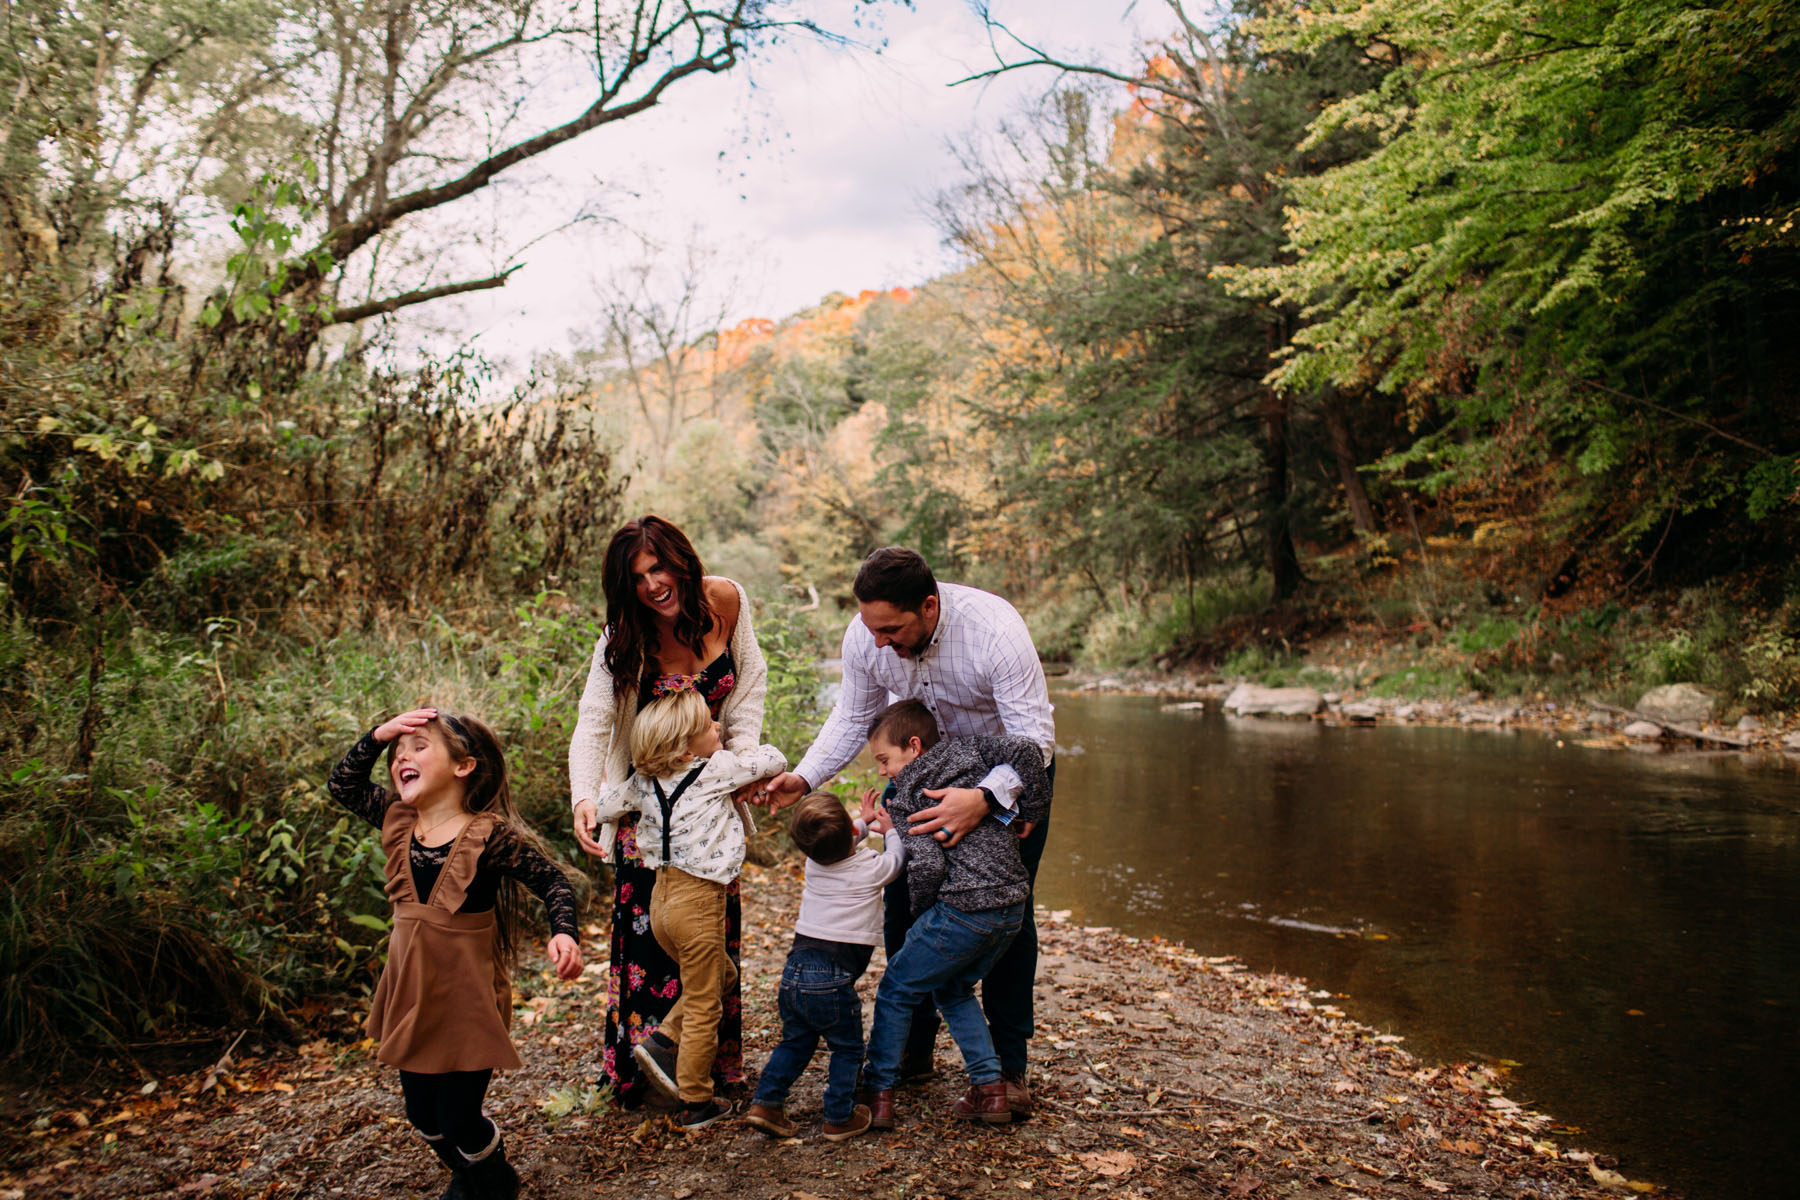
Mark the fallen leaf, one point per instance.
(1609, 1179)
(1110, 1163)
(1462, 1146)
(1243, 1185)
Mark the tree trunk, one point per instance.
(1280, 558)
(1362, 515)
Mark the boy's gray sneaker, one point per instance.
(655, 1057)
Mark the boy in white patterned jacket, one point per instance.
(693, 834)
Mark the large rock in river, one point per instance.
(1680, 702)
(1248, 700)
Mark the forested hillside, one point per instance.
(1460, 326)
(1463, 322)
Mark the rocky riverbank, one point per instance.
(1160, 1071)
(1673, 717)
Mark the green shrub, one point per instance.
(1772, 666)
(1259, 664)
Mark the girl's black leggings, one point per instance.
(448, 1104)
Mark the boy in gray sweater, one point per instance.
(968, 901)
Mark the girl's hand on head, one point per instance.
(565, 956)
(406, 722)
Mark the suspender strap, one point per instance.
(667, 803)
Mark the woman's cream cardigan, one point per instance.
(601, 747)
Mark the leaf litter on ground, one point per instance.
(1157, 1071)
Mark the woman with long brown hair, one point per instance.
(669, 627)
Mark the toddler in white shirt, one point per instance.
(838, 929)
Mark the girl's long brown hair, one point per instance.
(630, 633)
(487, 790)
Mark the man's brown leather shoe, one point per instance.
(984, 1102)
(880, 1105)
(1018, 1096)
(916, 1068)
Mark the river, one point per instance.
(1622, 929)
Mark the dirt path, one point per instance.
(1159, 1072)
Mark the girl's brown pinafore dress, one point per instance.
(443, 1003)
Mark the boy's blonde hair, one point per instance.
(663, 729)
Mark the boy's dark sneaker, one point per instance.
(655, 1057)
(698, 1116)
(859, 1122)
(772, 1121)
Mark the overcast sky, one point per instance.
(811, 172)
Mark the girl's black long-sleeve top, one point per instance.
(506, 855)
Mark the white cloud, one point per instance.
(816, 167)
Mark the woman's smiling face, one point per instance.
(658, 589)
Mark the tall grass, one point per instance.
(199, 872)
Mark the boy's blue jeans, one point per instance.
(947, 952)
(817, 1000)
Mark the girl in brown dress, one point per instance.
(444, 1003)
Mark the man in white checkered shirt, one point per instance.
(967, 655)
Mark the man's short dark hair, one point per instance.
(822, 828)
(896, 575)
(902, 720)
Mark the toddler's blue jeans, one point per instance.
(817, 1000)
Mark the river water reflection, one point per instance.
(1625, 927)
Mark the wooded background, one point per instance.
(1466, 322)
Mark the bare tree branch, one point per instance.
(376, 308)
(706, 57)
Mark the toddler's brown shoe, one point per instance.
(859, 1122)
(771, 1121)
